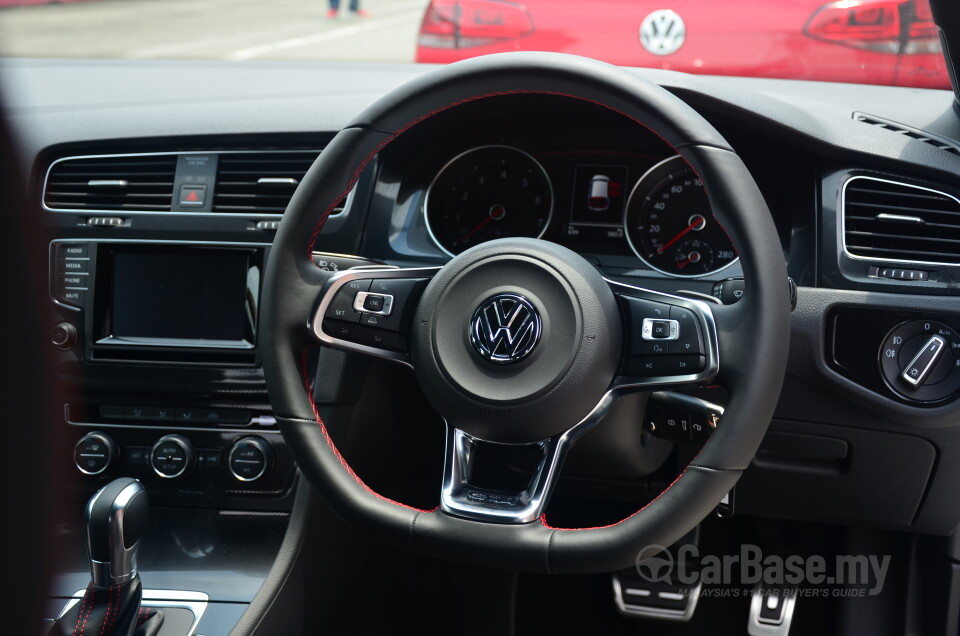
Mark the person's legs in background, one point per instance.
(354, 8)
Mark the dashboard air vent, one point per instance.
(947, 145)
(259, 182)
(108, 183)
(900, 222)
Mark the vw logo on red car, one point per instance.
(663, 32)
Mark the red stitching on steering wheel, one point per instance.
(353, 180)
(336, 451)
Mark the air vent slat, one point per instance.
(928, 229)
(891, 253)
(877, 235)
(115, 198)
(120, 182)
(238, 189)
(901, 208)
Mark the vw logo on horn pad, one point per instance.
(505, 328)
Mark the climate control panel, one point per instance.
(231, 468)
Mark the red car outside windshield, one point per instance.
(891, 42)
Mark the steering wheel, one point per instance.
(521, 341)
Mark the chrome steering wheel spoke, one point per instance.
(460, 498)
(370, 310)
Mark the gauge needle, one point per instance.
(478, 227)
(679, 236)
(496, 212)
(685, 263)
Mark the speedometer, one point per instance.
(670, 226)
(488, 193)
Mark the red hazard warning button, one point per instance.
(193, 195)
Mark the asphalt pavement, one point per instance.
(212, 29)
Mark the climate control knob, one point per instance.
(250, 459)
(173, 456)
(94, 453)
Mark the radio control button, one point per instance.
(68, 265)
(73, 250)
(684, 364)
(73, 297)
(646, 366)
(78, 281)
(64, 336)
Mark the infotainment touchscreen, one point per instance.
(197, 296)
(166, 302)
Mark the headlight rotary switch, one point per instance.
(920, 360)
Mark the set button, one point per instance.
(373, 312)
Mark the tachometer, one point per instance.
(669, 224)
(487, 193)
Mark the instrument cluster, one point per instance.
(656, 206)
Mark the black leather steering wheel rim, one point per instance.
(753, 334)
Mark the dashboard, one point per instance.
(161, 211)
(580, 176)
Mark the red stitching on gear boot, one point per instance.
(333, 447)
(111, 608)
(93, 594)
(353, 180)
(83, 605)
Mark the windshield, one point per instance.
(891, 42)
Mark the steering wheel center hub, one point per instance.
(515, 337)
(505, 329)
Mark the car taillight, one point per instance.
(457, 24)
(887, 26)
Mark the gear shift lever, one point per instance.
(116, 518)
